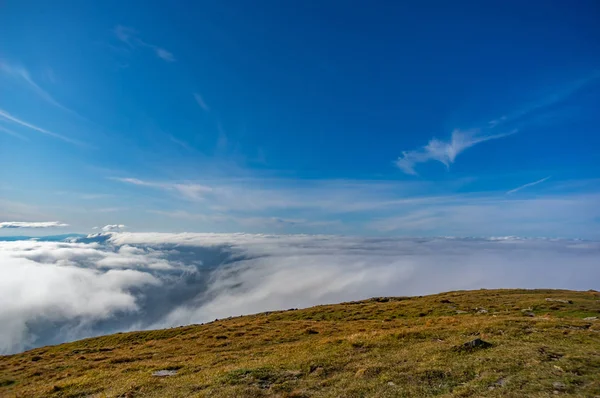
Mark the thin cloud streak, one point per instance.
(28, 224)
(200, 101)
(179, 142)
(130, 37)
(329, 196)
(24, 74)
(11, 118)
(273, 222)
(188, 190)
(548, 101)
(527, 185)
(10, 132)
(558, 216)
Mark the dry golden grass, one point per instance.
(386, 347)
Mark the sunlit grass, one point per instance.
(385, 347)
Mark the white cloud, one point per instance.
(131, 37)
(44, 284)
(201, 103)
(7, 116)
(28, 224)
(113, 227)
(527, 185)
(164, 54)
(444, 152)
(277, 272)
(57, 291)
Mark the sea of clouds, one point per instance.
(52, 292)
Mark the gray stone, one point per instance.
(559, 385)
(591, 318)
(164, 373)
(559, 301)
(473, 345)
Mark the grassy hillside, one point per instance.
(383, 347)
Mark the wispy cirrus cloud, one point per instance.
(404, 207)
(523, 114)
(8, 117)
(444, 152)
(14, 134)
(188, 190)
(530, 184)
(260, 194)
(200, 101)
(489, 215)
(325, 196)
(30, 224)
(24, 75)
(179, 142)
(131, 37)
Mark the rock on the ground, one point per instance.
(560, 300)
(164, 373)
(591, 318)
(474, 344)
(559, 385)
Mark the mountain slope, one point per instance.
(541, 345)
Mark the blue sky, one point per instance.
(370, 118)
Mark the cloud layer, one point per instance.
(104, 283)
(28, 224)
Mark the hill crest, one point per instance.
(543, 342)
